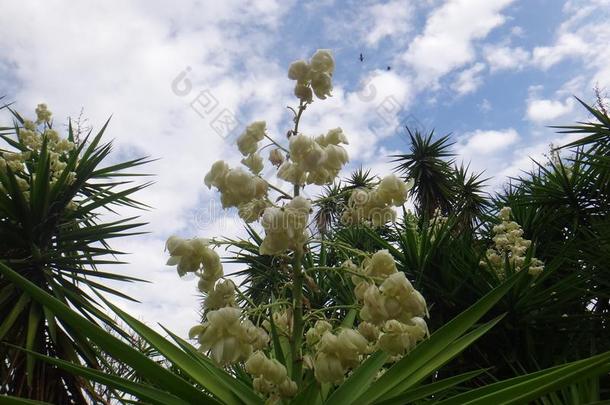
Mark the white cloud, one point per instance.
(392, 19)
(487, 151)
(366, 116)
(506, 57)
(370, 22)
(545, 110)
(469, 79)
(447, 40)
(123, 63)
(567, 45)
(584, 35)
(485, 142)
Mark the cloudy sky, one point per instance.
(182, 79)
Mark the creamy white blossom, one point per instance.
(195, 255)
(510, 245)
(337, 354)
(236, 186)
(285, 228)
(322, 61)
(270, 375)
(321, 84)
(223, 336)
(315, 160)
(374, 206)
(42, 114)
(313, 77)
(254, 162)
(247, 142)
(276, 157)
(299, 71)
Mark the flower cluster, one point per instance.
(32, 138)
(224, 334)
(392, 309)
(313, 77)
(195, 256)
(270, 376)
(335, 354)
(315, 160)
(226, 337)
(285, 227)
(238, 188)
(247, 143)
(374, 206)
(391, 314)
(510, 245)
(42, 114)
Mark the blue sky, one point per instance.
(494, 73)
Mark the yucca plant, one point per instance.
(202, 381)
(428, 164)
(57, 199)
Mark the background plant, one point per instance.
(54, 191)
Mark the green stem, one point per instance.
(279, 190)
(297, 327)
(276, 144)
(297, 287)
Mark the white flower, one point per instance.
(236, 186)
(285, 227)
(252, 210)
(321, 83)
(505, 213)
(314, 334)
(270, 374)
(328, 368)
(332, 137)
(381, 264)
(254, 162)
(336, 157)
(316, 76)
(336, 354)
(510, 245)
(314, 161)
(42, 114)
(222, 295)
(393, 190)
(257, 337)
(303, 92)
(375, 206)
(299, 71)
(276, 157)
(287, 388)
(322, 61)
(397, 338)
(292, 173)
(402, 301)
(191, 255)
(248, 140)
(369, 331)
(215, 177)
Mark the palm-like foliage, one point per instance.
(471, 200)
(564, 207)
(53, 233)
(427, 165)
(404, 382)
